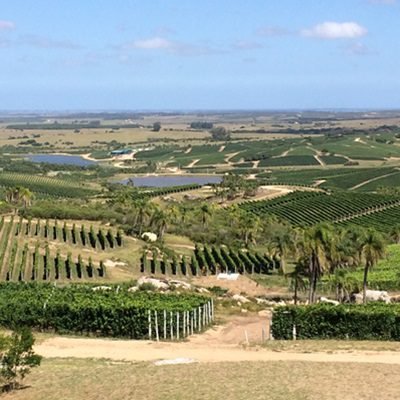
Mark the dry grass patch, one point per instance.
(105, 380)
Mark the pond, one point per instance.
(172, 180)
(60, 159)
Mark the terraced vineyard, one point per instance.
(338, 178)
(382, 221)
(208, 261)
(309, 208)
(44, 185)
(28, 250)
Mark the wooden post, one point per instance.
(195, 318)
(203, 311)
(171, 324)
(212, 310)
(191, 322)
(199, 324)
(156, 325)
(209, 313)
(149, 319)
(177, 325)
(184, 324)
(165, 325)
(271, 336)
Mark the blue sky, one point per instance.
(189, 54)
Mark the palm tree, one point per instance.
(282, 242)
(318, 247)
(26, 196)
(142, 212)
(160, 220)
(248, 225)
(373, 249)
(395, 234)
(297, 278)
(206, 212)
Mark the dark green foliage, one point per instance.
(55, 230)
(92, 237)
(102, 239)
(323, 321)
(174, 265)
(155, 264)
(79, 267)
(101, 270)
(194, 266)
(47, 229)
(83, 235)
(144, 263)
(35, 263)
(81, 310)
(74, 234)
(119, 238)
(57, 265)
(68, 266)
(17, 357)
(184, 266)
(89, 268)
(65, 232)
(110, 238)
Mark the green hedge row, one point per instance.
(81, 310)
(324, 321)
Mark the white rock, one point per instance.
(149, 236)
(158, 283)
(133, 289)
(240, 298)
(202, 290)
(328, 301)
(180, 284)
(228, 277)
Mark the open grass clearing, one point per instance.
(72, 379)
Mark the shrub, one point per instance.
(17, 358)
(324, 321)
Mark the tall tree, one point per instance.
(373, 249)
(318, 247)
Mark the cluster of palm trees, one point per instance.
(327, 249)
(19, 196)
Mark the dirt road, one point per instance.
(220, 344)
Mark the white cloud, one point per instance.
(171, 46)
(335, 30)
(6, 25)
(152, 43)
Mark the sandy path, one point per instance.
(228, 157)
(319, 160)
(221, 149)
(193, 163)
(373, 180)
(150, 351)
